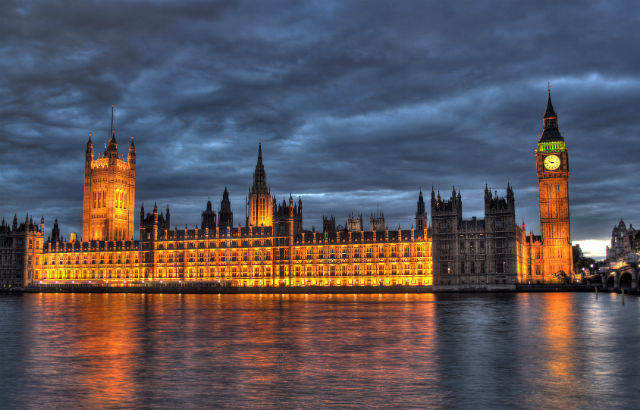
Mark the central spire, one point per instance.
(112, 146)
(113, 131)
(259, 199)
(259, 175)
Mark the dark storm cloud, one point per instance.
(357, 104)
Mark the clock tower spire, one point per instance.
(552, 159)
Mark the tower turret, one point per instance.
(131, 157)
(109, 192)
(354, 223)
(89, 153)
(376, 222)
(55, 232)
(259, 209)
(328, 224)
(421, 214)
(446, 217)
(287, 218)
(224, 213)
(112, 146)
(208, 218)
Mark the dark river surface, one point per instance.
(476, 351)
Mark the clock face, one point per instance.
(552, 162)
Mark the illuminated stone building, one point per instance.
(109, 193)
(495, 251)
(530, 257)
(547, 257)
(273, 249)
(552, 159)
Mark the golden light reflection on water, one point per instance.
(265, 351)
(559, 333)
(92, 344)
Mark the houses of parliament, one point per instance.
(272, 248)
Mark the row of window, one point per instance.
(472, 267)
(332, 271)
(86, 261)
(253, 254)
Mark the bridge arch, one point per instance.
(625, 281)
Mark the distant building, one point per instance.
(623, 241)
(376, 222)
(354, 223)
(328, 223)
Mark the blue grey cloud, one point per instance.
(357, 104)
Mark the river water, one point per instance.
(480, 351)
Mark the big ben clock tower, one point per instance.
(552, 159)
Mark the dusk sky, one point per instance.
(357, 104)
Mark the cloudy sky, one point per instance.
(357, 104)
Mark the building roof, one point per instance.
(550, 132)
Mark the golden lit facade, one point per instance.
(552, 160)
(246, 257)
(109, 193)
(272, 250)
(544, 258)
(529, 257)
